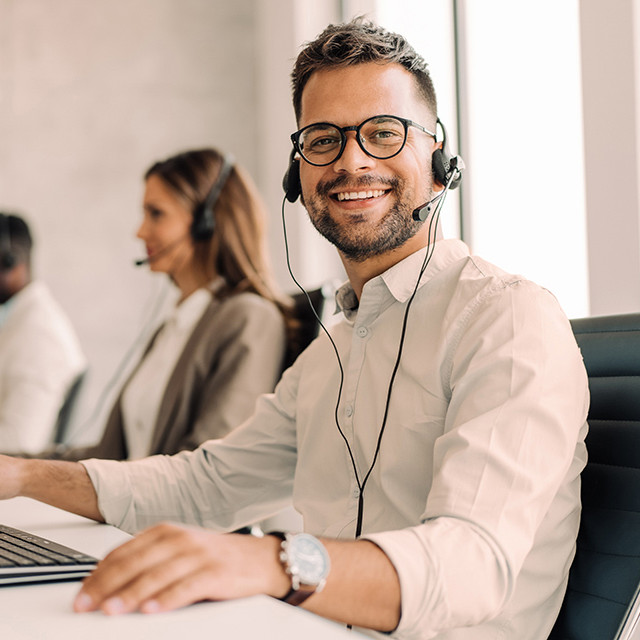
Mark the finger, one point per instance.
(123, 565)
(147, 585)
(201, 584)
(116, 569)
(229, 570)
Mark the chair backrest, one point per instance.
(309, 326)
(65, 414)
(605, 573)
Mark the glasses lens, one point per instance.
(320, 143)
(383, 136)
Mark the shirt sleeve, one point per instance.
(511, 446)
(224, 484)
(35, 380)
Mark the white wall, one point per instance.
(282, 26)
(90, 94)
(610, 34)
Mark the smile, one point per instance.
(360, 195)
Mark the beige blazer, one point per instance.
(234, 354)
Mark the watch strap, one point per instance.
(294, 596)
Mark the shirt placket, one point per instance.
(368, 311)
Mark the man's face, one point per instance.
(376, 215)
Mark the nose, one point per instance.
(353, 159)
(142, 229)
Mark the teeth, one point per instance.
(360, 195)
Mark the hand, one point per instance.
(170, 566)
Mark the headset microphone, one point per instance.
(142, 261)
(204, 222)
(451, 179)
(447, 171)
(422, 212)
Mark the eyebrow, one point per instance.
(320, 125)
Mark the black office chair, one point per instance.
(308, 324)
(63, 422)
(605, 574)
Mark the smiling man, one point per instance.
(433, 443)
(362, 204)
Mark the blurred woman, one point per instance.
(224, 343)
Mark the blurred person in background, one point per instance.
(224, 342)
(40, 355)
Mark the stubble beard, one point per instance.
(359, 241)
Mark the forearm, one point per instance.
(169, 566)
(65, 485)
(362, 589)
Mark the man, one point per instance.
(40, 356)
(447, 435)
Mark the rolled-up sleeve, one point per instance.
(223, 484)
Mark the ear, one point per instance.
(439, 167)
(291, 181)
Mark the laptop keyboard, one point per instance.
(25, 556)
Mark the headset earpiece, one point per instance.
(7, 256)
(291, 181)
(204, 222)
(444, 164)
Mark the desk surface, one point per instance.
(44, 611)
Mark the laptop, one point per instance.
(26, 559)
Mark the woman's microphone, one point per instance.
(142, 261)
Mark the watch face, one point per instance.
(308, 558)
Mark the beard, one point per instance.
(360, 240)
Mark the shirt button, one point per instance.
(356, 493)
(363, 332)
(348, 411)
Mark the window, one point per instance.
(520, 104)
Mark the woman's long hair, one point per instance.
(236, 248)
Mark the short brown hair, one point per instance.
(357, 42)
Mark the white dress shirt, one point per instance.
(144, 392)
(40, 357)
(475, 493)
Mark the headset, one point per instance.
(291, 181)
(444, 164)
(7, 256)
(204, 222)
(447, 171)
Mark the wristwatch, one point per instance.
(307, 562)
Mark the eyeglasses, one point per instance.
(380, 137)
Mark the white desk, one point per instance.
(43, 612)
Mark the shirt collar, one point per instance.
(33, 290)
(190, 309)
(400, 279)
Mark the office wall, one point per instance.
(90, 94)
(610, 33)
